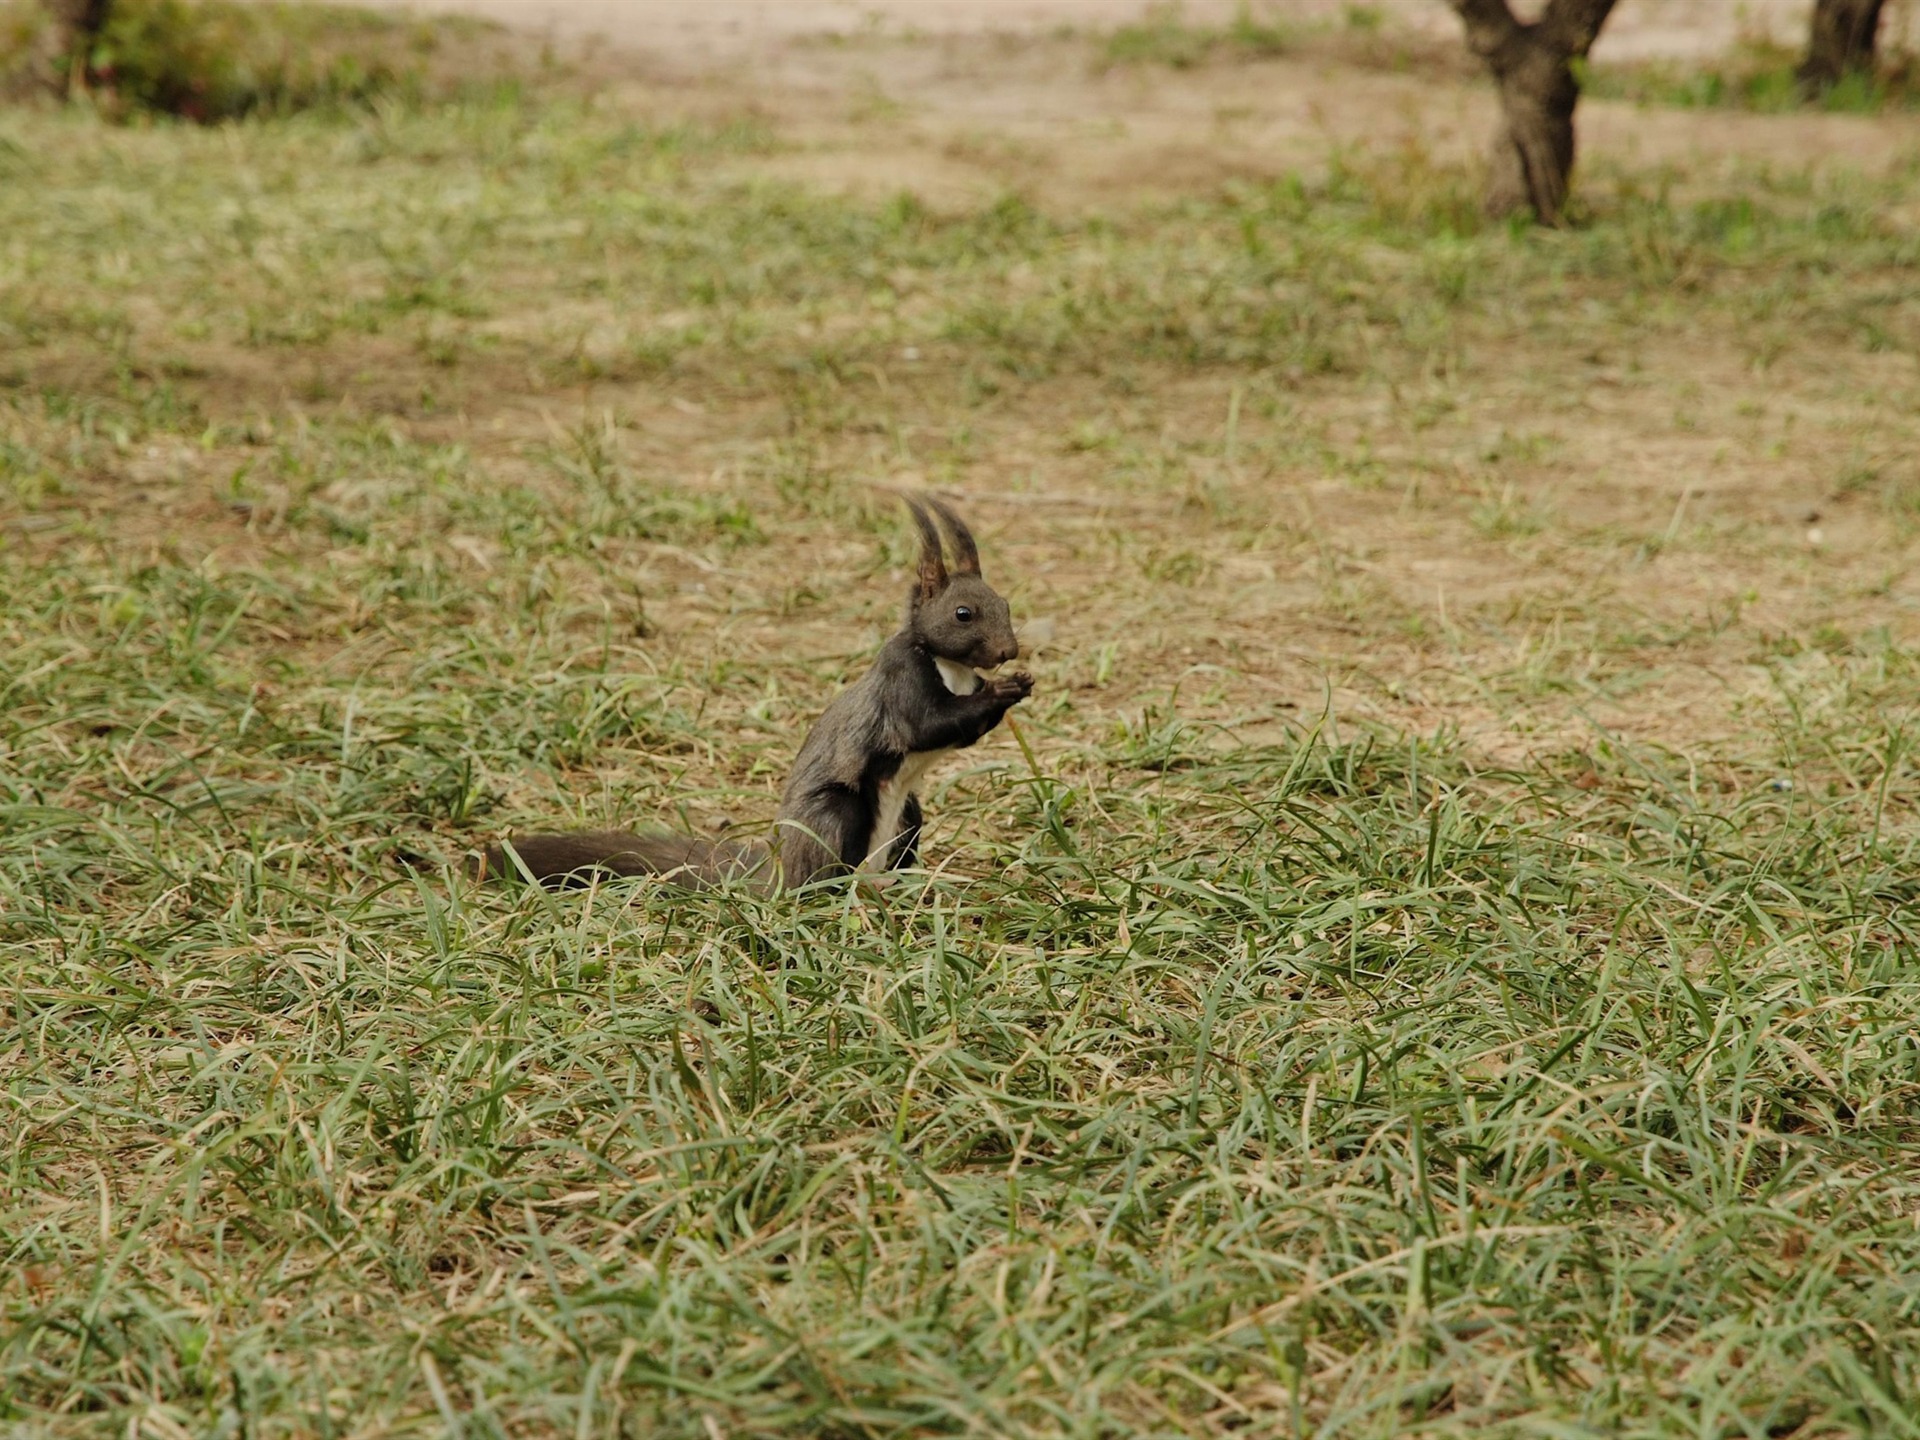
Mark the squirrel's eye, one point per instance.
(963, 614)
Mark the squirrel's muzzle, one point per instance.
(998, 655)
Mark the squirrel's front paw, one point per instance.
(1013, 688)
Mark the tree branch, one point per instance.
(1491, 28)
(1571, 26)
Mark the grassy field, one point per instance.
(1437, 956)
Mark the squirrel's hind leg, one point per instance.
(906, 845)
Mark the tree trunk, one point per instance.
(1531, 164)
(1841, 41)
(1533, 69)
(73, 27)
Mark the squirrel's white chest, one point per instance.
(899, 788)
(959, 679)
(894, 794)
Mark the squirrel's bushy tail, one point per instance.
(564, 861)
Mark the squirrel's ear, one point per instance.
(966, 555)
(933, 569)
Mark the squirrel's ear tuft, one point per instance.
(933, 569)
(966, 555)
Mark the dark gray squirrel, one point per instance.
(852, 802)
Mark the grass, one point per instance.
(1334, 1013)
(1758, 77)
(1166, 37)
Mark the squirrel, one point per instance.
(852, 802)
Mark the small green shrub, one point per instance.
(210, 60)
(213, 59)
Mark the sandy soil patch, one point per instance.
(707, 29)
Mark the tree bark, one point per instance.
(1841, 40)
(1533, 69)
(73, 27)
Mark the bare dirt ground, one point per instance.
(981, 94)
(961, 103)
(708, 28)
